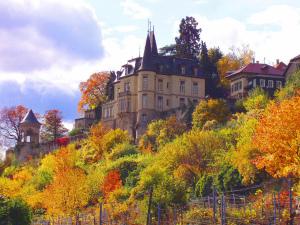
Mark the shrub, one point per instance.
(14, 212)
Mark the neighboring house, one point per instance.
(255, 75)
(90, 117)
(280, 65)
(151, 87)
(293, 66)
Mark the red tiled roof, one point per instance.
(257, 68)
(281, 66)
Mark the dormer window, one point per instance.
(127, 87)
(195, 71)
(161, 68)
(183, 70)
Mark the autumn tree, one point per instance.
(188, 43)
(210, 110)
(277, 137)
(112, 182)
(93, 91)
(68, 193)
(52, 127)
(102, 140)
(160, 132)
(235, 59)
(10, 119)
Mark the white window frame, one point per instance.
(262, 83)
(182, 86)
(160, 85)
(270, 84)
(195, 88)
(278, 84)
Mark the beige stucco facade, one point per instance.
(147, 95)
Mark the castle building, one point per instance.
(255, 75)
(30, 133)
(151, 87)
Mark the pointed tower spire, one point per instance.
(147, 57)
(153, 43)
(30, 118)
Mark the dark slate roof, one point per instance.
(151, 61)
(30, 118)
(295, 58)
(257, 69)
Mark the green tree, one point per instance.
(188, 43)
(14, 212)
(168, 50)
(291, 87)
(160, 132)
(257, 100)
(212, 109)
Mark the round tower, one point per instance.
(30, 129)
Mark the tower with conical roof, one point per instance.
(30, 129)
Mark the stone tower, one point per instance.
(30, 131)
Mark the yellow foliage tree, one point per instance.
(68, 193)
(277, 137)
(212, 109)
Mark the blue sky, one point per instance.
(48, 46)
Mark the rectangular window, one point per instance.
(195, 102)
(195, 71)
(254, 82)
(262, 82)
(182, 70)
(145, 83)
(128, 107)
(160, 85)
(182, 86)
(144, 100)
(181, 102)
(144, 118)
(278, 84)
(270, 84)
(195, 88)
(167, 102)
(111, 111)
(160, 102)
(122, 105)
(126, 86)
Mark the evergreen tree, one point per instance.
(204, 59)
(188, 43)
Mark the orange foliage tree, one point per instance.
(68, 193)
(277, 137)
(93, 91)
(111, 183)
(10, 119)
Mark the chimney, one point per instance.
(277, 61)
(253, 60)
(257, 62)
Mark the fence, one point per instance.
(236, 207)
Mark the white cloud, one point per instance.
(136, 11)
(272, 33)
(37, 34)
(200, 2)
